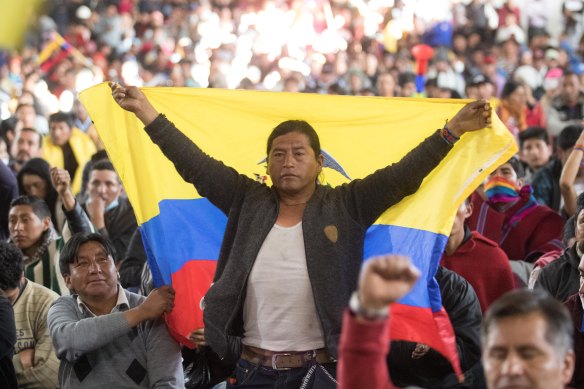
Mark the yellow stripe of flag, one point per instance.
(361, 133)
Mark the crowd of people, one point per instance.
(80, 308)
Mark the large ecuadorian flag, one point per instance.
(182, 232)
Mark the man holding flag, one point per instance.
(291, 253)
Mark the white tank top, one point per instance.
(279, 312)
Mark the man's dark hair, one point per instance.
(405, 78)
(60, 116)
(104, 164)
(568, 137)
(509, 87)
(39, 207)
(518, 303)
(517, 166)
(579, 207)
(569, 230)
(38, 134)
(11, 266)
(533, 133)
(299, 126)
(568, 73)
(71, 249)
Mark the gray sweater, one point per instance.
(252, 209)
(105, 352)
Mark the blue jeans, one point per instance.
(314, 375)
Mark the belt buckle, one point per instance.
(274, 361)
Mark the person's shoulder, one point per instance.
(134, 299)
(482, 240)
(562, 261)
(545, 212)
(546, 170)
(41, 292)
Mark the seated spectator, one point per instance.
(479, 260)
(27, 144)
(569, 240)
(575, 304)
(535, 150)
(418, 365)
(34, 360)
(7, 340)
(567, 108)
(546, 181)
(34, 179)
(407, 84)
(29, 223)
(8, 192)
(511, 216)
(67, 147)
(561, 278)
(527, 342)
(385, 85)
(110, 212)
(26, 117)
(513, 107)
(572, 178)
(363, 345)
(480, 87)
(105, 335)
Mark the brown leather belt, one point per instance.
(284, 360)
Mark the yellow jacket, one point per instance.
(83, 148)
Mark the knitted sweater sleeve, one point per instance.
(73, 336)
(370, 197)
(211, 178)
(164, 362)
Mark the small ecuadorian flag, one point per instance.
(183, 232)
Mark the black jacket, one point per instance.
(7, 340)
(433, 370)
(561, 277)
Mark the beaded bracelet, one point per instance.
(447, 135)
(579, 147)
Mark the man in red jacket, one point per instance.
(478, 259)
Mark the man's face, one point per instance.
(292, 165)
(386, 85)
(579, 234)
(581, 271)
(518, 98)
(486, 91)
(104, 184)
(35, 186)
(517, 355)
(408, 90)
(27, 146)
(506, 171)
(60, 132)
(93, 274)
(570, 89)
(25, 227)
(535, 153)
(464, 211)
(27, 115)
